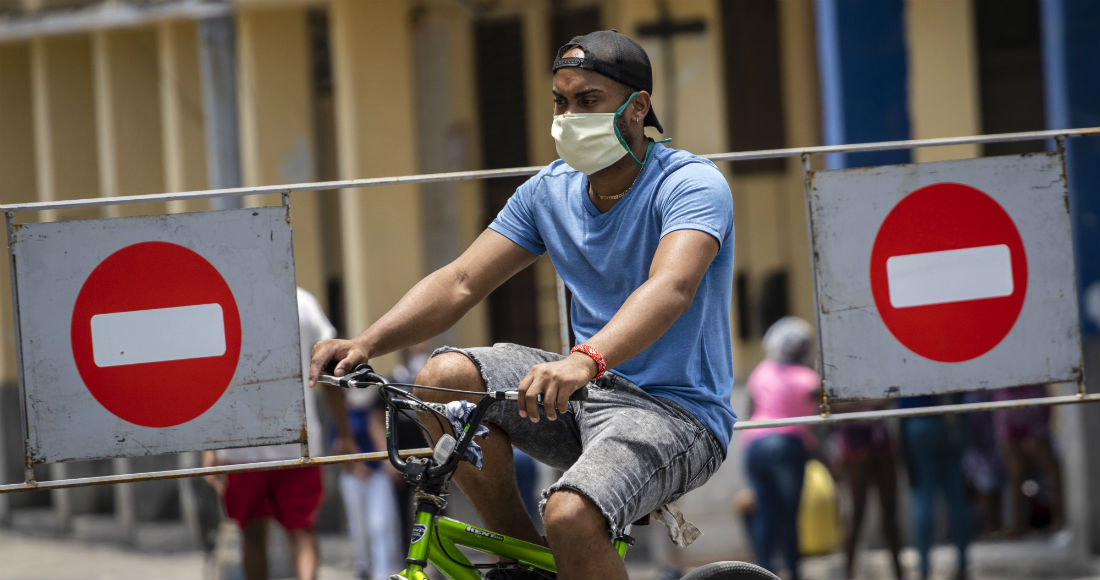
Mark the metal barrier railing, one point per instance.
(525, 171)
(805, 153)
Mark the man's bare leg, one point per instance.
(254, 549)
(493, 490)
(307, 552)
(578, 535)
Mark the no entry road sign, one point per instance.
(158, 334)
(156, 312)
(944, 276)
(948, 272)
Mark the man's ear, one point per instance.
(640, 106)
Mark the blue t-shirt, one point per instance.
(604, 257)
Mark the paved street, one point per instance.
(30, 550)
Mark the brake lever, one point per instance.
(361, 377)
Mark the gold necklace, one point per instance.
(620, 196)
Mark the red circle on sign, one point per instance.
(147, 277)
(938, 218)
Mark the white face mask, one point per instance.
(590, 142)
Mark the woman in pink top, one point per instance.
(775, 457)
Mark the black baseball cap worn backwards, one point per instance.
(616, 56)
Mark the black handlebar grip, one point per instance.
(362, 372)
(365, 374)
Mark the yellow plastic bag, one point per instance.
(818, 524)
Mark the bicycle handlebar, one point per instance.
(364, 377)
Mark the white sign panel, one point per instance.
(158, 334)
(946, 276)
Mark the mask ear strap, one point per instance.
(620, 110)
(619, 135)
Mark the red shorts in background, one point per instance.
(291, 496)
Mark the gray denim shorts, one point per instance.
(627, 451)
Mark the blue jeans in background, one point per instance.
(776, 465)
(934, 446)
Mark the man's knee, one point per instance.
(450, 370)
(570, 513)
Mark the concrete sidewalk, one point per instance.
(30, 550)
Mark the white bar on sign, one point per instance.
(157, 335)
(949, 276)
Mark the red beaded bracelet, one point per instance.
(601, 365)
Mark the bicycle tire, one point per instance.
(730, 570)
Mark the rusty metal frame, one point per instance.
(200, 471)
(826, 418)
(805, 153)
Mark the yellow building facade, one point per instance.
(93, 104)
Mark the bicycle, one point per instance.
(435, 538)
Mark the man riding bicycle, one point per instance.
(642, 235)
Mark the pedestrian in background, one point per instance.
(409, 435)
(934, 446)
(983, 466)
(1027, 442)
(291, 497)
(775, 457)
(367, 488)
(865, 458)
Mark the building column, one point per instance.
(451, 212)
(277, 123)
(376, 136)
(17, 165)
(64, 123)
(128, 118)
(1071, 61)
(862, 66)
(17, 186)
(802, 115)
(220, 90)
(184, 137)
(943, 77)
(538, 80)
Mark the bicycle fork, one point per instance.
(419, 546)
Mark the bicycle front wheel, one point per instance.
(730, 570)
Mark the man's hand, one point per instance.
(347, 353)
(555, 382)
(347, 446)
(214, 480)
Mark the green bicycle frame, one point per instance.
(436, 539)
